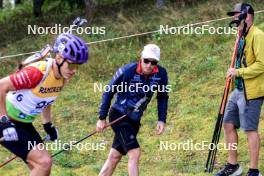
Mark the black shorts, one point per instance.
(27, 137)
(126, 131)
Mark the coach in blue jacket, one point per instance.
(133, 83)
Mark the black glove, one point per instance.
(51, 131)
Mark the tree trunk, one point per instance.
(90, 8)
(1, 4)
(17, 1)
(37, 7)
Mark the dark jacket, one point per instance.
(136, 86)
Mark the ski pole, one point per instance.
(47, 138)
(135, 108)
(138, 104)
(217, 132)
(89, 135)
(2, 139)
(218, 126)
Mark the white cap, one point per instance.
(151, 51)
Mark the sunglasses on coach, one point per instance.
(146, 61)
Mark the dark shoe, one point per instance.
(250, 173)
(230, 170)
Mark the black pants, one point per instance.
(27, 137)
(126, 131)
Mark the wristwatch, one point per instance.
(4, 119)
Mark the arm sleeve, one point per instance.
(257, 67)
(162, 98)
(27, 78)
(108, 95)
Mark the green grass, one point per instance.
(196, 67)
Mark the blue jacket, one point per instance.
(130, 85)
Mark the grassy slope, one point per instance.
(196, 67)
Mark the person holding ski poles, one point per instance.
(139, 81)
(244, 105)
(31, 91)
